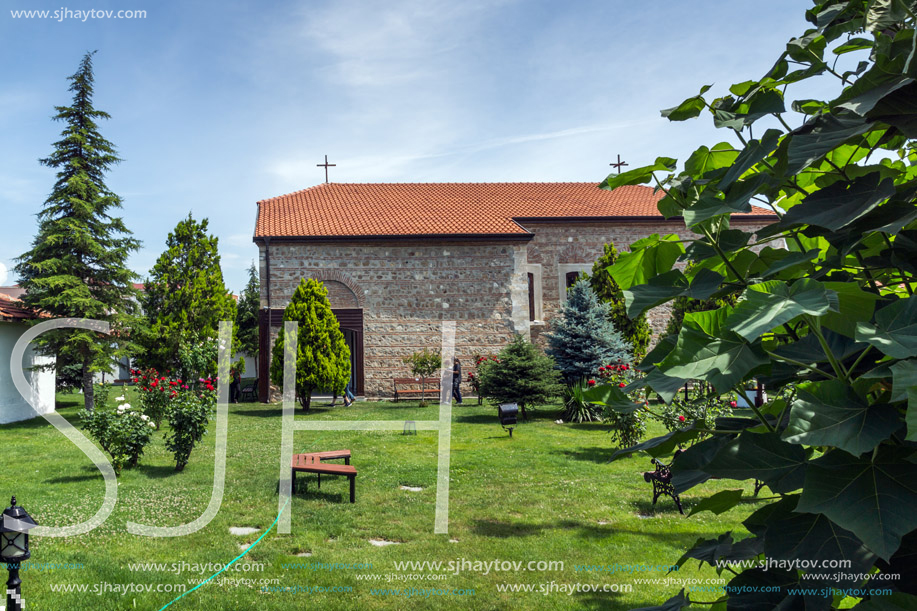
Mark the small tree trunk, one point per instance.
(88, 393)
(305, 399)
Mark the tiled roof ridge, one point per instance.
(444, 184)
(457, 208)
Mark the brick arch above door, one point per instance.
(342, 291)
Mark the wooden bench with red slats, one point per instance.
(312, 463)
(415, 388)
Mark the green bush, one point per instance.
(123, 432)
(701, 410)
(627, 429)
(189, 415)
(520, 374)
(576, 408)
(197, 356)
(423, 364)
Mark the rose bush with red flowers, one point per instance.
(187, 407)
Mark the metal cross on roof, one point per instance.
(618, 165)
(326, 165)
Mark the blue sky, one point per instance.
(216, 105)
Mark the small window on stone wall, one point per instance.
(571, 278)
(531, 277)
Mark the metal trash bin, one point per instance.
(508, 412)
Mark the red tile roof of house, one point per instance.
(413, 209)
(12, 310)
(15, 291)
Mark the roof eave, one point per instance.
(473, 237)
(628, 219)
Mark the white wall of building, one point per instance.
(13, 407)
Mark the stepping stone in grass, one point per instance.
(412, 488)
(383, 542)
(241, 531)
(304, 554)
(453, 540)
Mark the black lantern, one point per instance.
(14, 549)
(508, 413)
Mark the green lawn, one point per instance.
(547, 494)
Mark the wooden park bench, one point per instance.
(410, 388)
(312, 463)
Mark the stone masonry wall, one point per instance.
(559, 246)
(406, 290)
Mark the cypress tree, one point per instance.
(322, 355)
(77, 266)
(185, 297)
(584, 338)
(247, 315)
(636, 331)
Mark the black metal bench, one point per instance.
(251, 390)
(661, 477)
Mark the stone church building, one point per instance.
(398, 259)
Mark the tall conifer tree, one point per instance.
(185, 297)
(77, 266)
(247, 315)
(637, 330)
(584, 338)
(322, 355)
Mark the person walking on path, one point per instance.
(235, 387)
(457, 381)
(348, 394)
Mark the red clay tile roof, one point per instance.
(15, 291)
(401, 209)
(12, 310)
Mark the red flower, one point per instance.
(591, 382)
(210, 387)
(601, 369)
(621, 384)
(625, 367)
(179, 382)
(153, 383)
(732, 404)
(681, 418)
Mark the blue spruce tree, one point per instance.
(584, 338)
